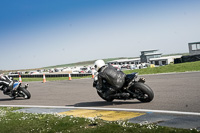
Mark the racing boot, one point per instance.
(125, 95)
(108, 93)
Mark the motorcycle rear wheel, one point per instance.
(144, 92)
(26, 94)
(106, 99)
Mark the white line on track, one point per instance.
(115, 109)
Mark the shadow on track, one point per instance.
(6, 99)
(10, 99)
(102, 103)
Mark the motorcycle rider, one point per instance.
(107, 72)
(5, 83)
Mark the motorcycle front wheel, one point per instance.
(25, 93)
(106, 99)
(143, 92)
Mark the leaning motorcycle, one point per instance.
(19, 91)
(132, 89)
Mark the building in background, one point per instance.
(194, 48)
(164, 60)
(147, 55)
(125, 62)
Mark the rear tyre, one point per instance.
(25, 93)
(143, 92)
(106, 99)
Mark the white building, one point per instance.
(125, 62)
(163, 60)
(194, 48)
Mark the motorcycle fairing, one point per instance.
(15, 85)
(131, 76)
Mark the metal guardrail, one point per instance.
(50, 75)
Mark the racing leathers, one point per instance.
(5, 84)
(113, 77)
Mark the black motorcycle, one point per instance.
(132, 89)
(18, 91)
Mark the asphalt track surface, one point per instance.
(173, 92)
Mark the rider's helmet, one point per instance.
(98, 64)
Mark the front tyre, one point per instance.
(25, 93)
(143, 92)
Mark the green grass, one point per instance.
(18, 122)
(182, 67)
(50, 78)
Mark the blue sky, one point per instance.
(40, 33)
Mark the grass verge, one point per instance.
(51, 78)
(18, 122)
(182, 67)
